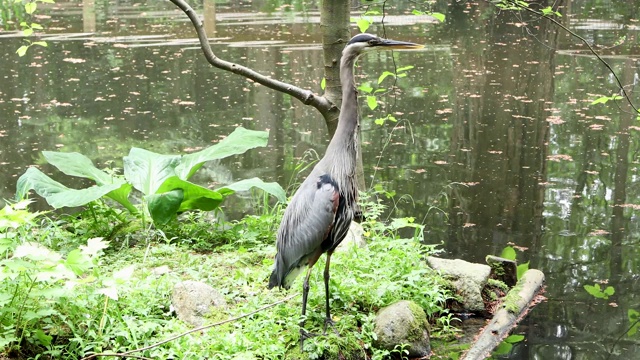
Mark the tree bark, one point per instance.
(334, 22)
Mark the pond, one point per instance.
(496, 143)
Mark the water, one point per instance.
(496, 142)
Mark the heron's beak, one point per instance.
(387, 44)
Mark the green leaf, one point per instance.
(22, 50)
(30, 7)
(515, 338)
(365, 88)
(384, 76)
(521, 269)
(78, 262)
(600, 100)
(503, 349)
(238, 142)
(36, 252)
(609, 291)
(508, 253)
(94, 246)
(633, 317)
(323, 83)
(194, 196)
(163, 207)
(439, 16)
(123, 275)
(76, 164)
(363, 24)
(594, 290)
(27, 32)
(43, 339)
(405, 68)
(40, 43)
(379, 121)
(272, 188)
(372, 102)
(56, 194)
(147, 170)
(36, 26)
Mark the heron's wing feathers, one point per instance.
(306, 223)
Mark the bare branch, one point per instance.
(307, 97)
(128, 353)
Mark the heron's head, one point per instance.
(362, 43)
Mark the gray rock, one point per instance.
(193, 300)
(403, 323)
(468, 279)
(355, 237)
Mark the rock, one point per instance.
(503, 269)
(355, 237)
(193, 300)
(403, 323)
(468, 279)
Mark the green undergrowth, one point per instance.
(82, 293)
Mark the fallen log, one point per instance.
(517, 303)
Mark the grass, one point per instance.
(118, 299)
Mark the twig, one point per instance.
(593, 51)
(613, 347)
(127, 353)
(324, 106)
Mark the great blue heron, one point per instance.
(320, 212)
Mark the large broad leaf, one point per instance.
(76, 164)
(146, 170)
(239, 141)
(163, 207)
(193, 196)
(272, 188)
(56, 194)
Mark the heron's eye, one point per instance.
(372, 42)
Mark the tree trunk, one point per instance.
(334, 22)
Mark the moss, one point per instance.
(497, 284)
(419, 325)
(513, 297)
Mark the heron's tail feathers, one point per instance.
(283, 277)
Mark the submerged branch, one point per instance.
(307, 97)
(128, 353)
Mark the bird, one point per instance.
(320, 212)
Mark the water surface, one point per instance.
(495, 143)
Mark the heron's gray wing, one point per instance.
(307, 221)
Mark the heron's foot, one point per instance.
(330, 323)
(304, 335)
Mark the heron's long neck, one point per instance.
(344, 138)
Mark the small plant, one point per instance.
(509, 253)
(507, 344)
(600, 293)
(162, 179)
(34, 279)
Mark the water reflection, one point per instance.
(496, 141)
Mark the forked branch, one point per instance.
(324, 106)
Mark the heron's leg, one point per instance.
(327, 319)
(305, 293)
